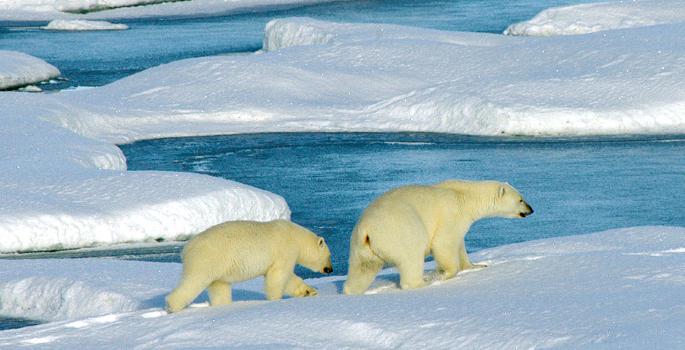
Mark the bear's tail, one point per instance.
(364, 264)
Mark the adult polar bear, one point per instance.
(406, 224)
(240, 250)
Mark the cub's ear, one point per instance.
(321, 241)
(501, 191)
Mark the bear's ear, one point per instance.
(321, 241)
(501, 191)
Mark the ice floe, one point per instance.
(595, 17)
(323, 76)
(83, 25)
(18, 69)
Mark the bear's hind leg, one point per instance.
(411, 271)
(361, 272)
(186, 291)
(297, 288)
(219, 293)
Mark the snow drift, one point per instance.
(615, 289)
(19, 69)
(589, 18)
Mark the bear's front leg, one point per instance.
(464, 260)
(296, 287)
(275, 281)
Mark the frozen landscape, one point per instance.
(66, 184)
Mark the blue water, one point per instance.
(575, 185)
(98, 58)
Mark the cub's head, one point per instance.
(509, 203)
(318, 257)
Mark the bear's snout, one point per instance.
(529, 210)
(327, 269)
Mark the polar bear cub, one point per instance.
(241, 250)
(406, 224)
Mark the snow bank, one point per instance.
(321, 76)
(614, 289)
(588, 18)
(18, 69)
(42, 10)
(61, 190)
(78, 25)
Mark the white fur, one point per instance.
(240, 250)
(406, 224)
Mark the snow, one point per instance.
(588, 18)
(615, 289)
(323, 76)
(60, 190)
(42, 10)
(18, 69)
(75, 25)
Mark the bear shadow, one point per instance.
(159, 301)
(387, 279)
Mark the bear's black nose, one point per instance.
(327, 269)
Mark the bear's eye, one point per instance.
(520, 200)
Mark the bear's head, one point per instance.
(317, 256)
(509, 203)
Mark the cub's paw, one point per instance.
(305, 291)
(310, 292)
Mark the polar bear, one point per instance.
(406, 224)
(240, 250)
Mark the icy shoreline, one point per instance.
(615, 289)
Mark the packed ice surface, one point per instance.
(588, 18)
(19, 69)
(77, 24)
(323, 76)
(615, 289)
(61, 190)
(42, 10)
